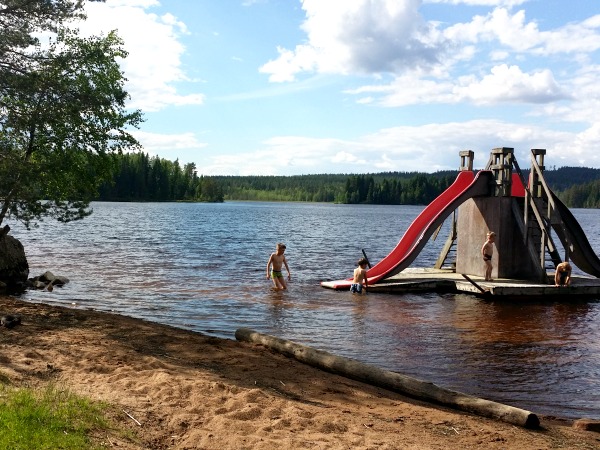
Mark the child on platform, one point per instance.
(562, 276)
(487, 251)
(360, 277)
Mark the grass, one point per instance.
(49, 418)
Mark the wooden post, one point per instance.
(537, 159)
(537, 155)
(466, 159)
(391, 380)
(501, 164)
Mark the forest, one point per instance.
(139, 177)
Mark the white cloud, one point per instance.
(504, 84)
(434, 146)
(584, 90)
(360, 36)
(289, 63)
(153, 67)
(391, 36)
(343, 157)
(581, 37)
(508, 3)
(253, 2)
(407, 90)
(589, 139)
(515, 33)
(155, 143)
(510, 85)
(509, 30)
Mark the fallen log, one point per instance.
(392, 381)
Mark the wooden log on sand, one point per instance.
(392, 381)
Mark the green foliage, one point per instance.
(62, 113)
(565, 177)
(383, 188)
(586, 195)
(420, 189)
(140, 178)
(208, 190)
(20, 20)
(577, 187)
(49, 419)
(296, 188)
(137, 177)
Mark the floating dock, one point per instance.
(447, 281)
(528, 220)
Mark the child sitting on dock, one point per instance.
(360, 277)
(487, 251)
(562, 276)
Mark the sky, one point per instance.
(294, 87)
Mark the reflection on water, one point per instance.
(203, 266)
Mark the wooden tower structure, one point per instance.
(521, 212)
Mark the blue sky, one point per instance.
(289, 87)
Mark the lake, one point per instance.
(203, 267)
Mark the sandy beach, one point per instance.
(175, 389)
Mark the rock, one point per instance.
(38, 285)
(9, 321)
(60, 280)
(47, 276)
(47, 281)
(14, 268)
(587, 425)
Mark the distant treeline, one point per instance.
(390, 188)
(141, 178)
(577, 187)
(585, 195)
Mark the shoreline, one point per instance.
(188, 390)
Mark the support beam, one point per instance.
(447, 245)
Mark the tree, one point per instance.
(209, 190)
(62, 113)
(190, 177)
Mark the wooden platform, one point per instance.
(445, 280)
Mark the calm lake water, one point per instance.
(203, 267)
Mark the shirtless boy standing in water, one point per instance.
(360, 277)
(487, 251)
(277, 260)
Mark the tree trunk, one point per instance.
(393, 381)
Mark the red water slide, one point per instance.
(466, 186)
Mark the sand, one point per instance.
(176, 389)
